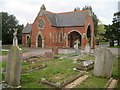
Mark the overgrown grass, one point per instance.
(116, 67)
(100, 82)
(87, 57)
(115, 46)
(8, 46)
(93, 82)
(103, 43)
(3, 53)
(61, 71)
(56, 71)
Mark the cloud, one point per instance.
(27, 10)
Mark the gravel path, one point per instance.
(38, 51)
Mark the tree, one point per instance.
(77, 9)
(113, 30)
(100, 31)
(9, 22)
(116, 26)
(95, 19)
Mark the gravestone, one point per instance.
(49, 55)
(77, 47)
(13, 69)
(103, 62)
(87, 48)
(55, 50)
(86, 65)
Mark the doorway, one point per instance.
(39, 41)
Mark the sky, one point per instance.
(26, 11)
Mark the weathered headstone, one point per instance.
(49, 55)
(13, 69)
(55, 50)
(86, 65)
(103, 62)
(76, 46)
(87, 48)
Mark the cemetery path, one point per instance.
(38, 51)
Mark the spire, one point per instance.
(43, 7)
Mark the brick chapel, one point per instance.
(60, 30)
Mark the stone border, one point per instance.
(63, 86)
(111, 83)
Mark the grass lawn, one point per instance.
(56, 71)
(115, 47)
(3, 53)
(100, 82)
(8, 46)
(61, 71)
(104, 43)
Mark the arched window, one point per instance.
(28, 41)
(61, 37)
(55, 37)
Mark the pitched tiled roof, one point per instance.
(75, 18)
(27, 29)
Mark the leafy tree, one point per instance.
(9, 22)
(100, 31)
(116, 26)
(76, 9)
(113, 31)
(95, 19)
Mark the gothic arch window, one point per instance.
(55, 37)
(28, 41)
(61, 37)
(41, 24)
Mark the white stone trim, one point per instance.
(91, 33)
(28, 35)
(73, 31)
(43, 25)
(55, 33)
(42, 36)
(60, 37)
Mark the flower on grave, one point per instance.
(74, 69)
(58, 84)
(75, 61)
(33, 62)
(43, 79)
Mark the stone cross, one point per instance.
(87, 48)
(76, 46)
(103, 62)
(77, 42)
(13, 69)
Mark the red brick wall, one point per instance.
(49, 29)
(23, 39)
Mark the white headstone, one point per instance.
(76, 46)
(87, 48)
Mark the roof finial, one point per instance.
(43, 7)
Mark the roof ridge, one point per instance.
(68, 12)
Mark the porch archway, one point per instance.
(72, 38)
